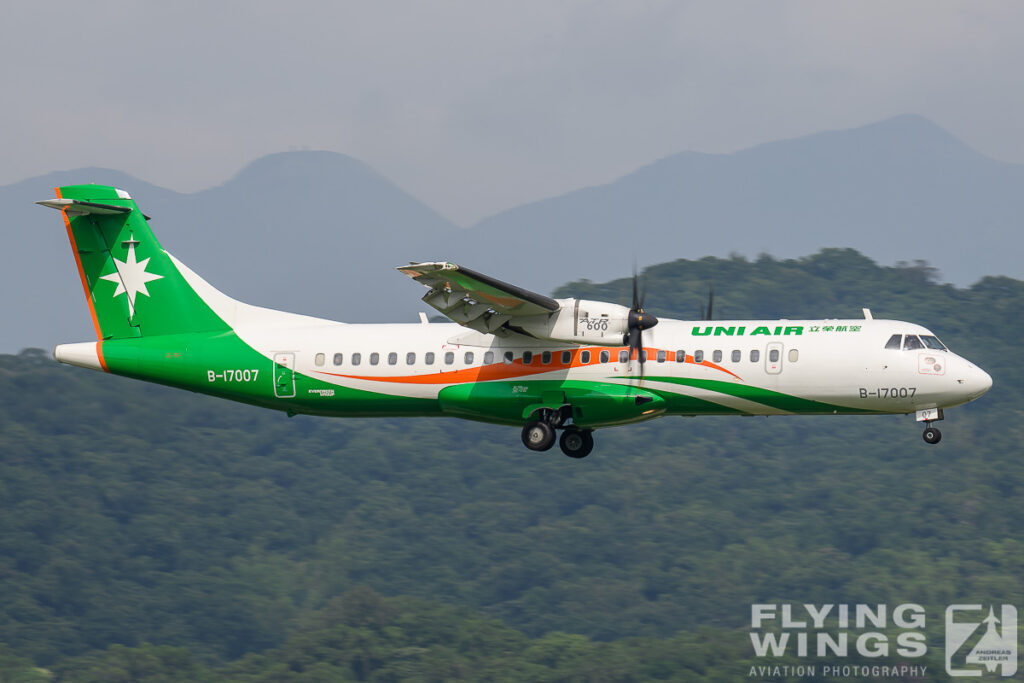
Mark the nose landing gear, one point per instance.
(928, 416)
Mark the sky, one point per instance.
(475, 107)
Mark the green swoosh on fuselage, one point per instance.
(767, 397)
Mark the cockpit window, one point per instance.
(911, 342)
(932, 342)
(894, 342)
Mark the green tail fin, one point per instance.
(132, 286)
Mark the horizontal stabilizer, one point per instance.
(78, 207)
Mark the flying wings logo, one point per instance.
(978, 644)
(981, 640)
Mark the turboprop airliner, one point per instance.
(510, 356)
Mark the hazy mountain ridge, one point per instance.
(303, 231)
(319, 232)
(900, 189)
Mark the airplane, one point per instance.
(510, 356)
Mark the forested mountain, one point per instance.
(152, 534)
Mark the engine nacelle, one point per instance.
(579, 321)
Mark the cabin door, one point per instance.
(284, 375)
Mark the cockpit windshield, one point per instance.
(911, 342)
(932, 342)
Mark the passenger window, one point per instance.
(509, 357)
(392, 358)
(894, 342)
(623, 356)
(338, 358)
(773, 356)
(469, 358)
(643, 355)
(527, 357)
(662, 355)
(911, 343)
(428, 358)
(933, 342)
(545, 358)
(566, 357)
(736, 356)
(585, 357)
(605, 357)
(449, 357)
(357, 358)
(794, 355)
(374, 358)
(755, 355)
(716, 356)
(680, 356)
(319, 359)
(488, 357)
(698, 356)
(410, 358)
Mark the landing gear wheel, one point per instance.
(538, 436)
(932, 435)
(576, 443)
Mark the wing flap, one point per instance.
(473, 299)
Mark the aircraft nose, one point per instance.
(978, 381)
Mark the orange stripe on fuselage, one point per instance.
(81, 274)
(517, 368)
(709, 364)
(480, 374)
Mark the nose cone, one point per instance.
(978, 382)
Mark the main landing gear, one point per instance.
(539, 434)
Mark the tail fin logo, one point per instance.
(130, 275)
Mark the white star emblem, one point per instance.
(131, 276)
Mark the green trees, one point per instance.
(177, 537)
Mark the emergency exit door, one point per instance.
(773, 358)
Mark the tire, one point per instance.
(538, 436)
(932, 435)
(576, 443)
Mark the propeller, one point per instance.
(707, 315)
(637, 322)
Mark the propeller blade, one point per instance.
(641, 354)
(711, 299)
(637, 304)
(638, 322)
(636, 347)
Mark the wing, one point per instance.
(475, 300)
